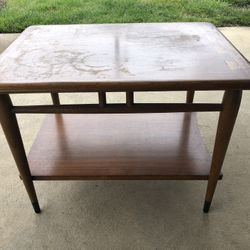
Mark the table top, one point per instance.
(148, 56)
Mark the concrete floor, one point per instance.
(131, 214)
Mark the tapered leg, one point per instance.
(13, 136)
(55, 98)
(190, 96)
(231, 104)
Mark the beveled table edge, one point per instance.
(116, 86)
(125, 85)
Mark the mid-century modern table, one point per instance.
(125, 141)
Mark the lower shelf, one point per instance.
(119, 146)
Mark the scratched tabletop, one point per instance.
(121, 56)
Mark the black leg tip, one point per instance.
(36, 207)
(206, 206)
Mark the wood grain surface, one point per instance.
(149, 56)
(123, 146)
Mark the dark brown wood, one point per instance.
(152, 56)
(127, 86)
(55, 98)
(190, 96)
(119, 146)
(13, 136)
(129, 98)
(120, 108)
(231, 104)
(102, 99)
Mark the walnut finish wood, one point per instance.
(119, 108)
(124, 146)
(129, 98)
(190, 96)
(128, 58)
(13, 136)
(231, 103)
(55, 98)
(122, 57)
(102, 99)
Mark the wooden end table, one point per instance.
(129, 141)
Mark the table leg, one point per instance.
(231, 104)
(190, 96)
(55, 98)
(13, 136)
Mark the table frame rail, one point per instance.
(119, 108)
(129, 107)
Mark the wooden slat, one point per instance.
(119, 108)
(102, 99)
(130, 98)
(190, 96)
(55, 98)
